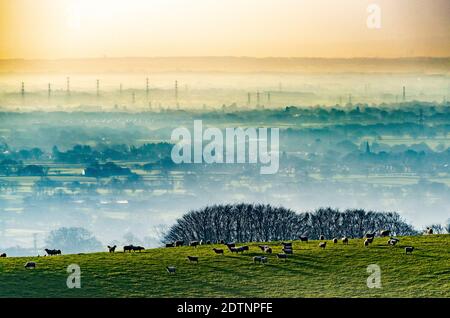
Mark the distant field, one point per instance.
(337, 271)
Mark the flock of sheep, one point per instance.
(286, 248)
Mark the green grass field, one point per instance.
(337, 271)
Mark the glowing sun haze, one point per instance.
(51, 29)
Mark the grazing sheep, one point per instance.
(218, 250)
(303, 238)
(257, 259)
(53, 252)
(233, 250)
(263, 247)
(322, 237)
(409, 249)
(194, 243)
(179, 243)
(171, 269)
(128, 248)
(335, 240)
(345, 240)
(367, 242)
(3, 255)
(112, 249)
(384, 233)
(192, 259)
(239, 249)
(268, 250)
(260, 259)
(244, 248)
(370, 235)
(170, 245)
(392, 242)
(323, 244)
(429, 231)
(230, 245)
(138, 248)
(286, 244)
(30, 265)
(282, 256)
(288, 250)
(370, 240)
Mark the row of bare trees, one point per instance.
(257, 222)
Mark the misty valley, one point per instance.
(112, 172)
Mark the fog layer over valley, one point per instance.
(75, 156)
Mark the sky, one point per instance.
(53, 29)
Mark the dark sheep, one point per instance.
(409, 249)
(385, 233)
(282, 256)
(208, 242)
(288, 250)
(233, 250)
(268, 250)
(366, 242)
(429, 231)
(53, 252)
(230, 245)
(194, 243)
(345, 240)
(30, 265)
(192, 259)
(128, 248)
(335, 240)
(323, 244)
(179, 243)
(170, 245)
(286, 244)
(303, 239)
(370, 235)
(138, 248)
(243, 248)
(218, 250)
(112, 249)
(171, 269)
(322, 237)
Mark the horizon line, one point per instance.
(229, 56)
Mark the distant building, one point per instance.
(367, 147)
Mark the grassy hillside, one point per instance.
(337, 271)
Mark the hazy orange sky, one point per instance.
(128, 28)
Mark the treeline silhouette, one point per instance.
(258, 222)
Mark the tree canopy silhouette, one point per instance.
(257, 222)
